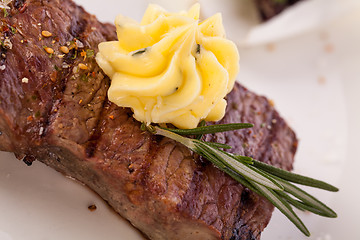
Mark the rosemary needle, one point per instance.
(295, 178)
(211, 129)
(266, 180)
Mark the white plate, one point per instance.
(313, 77)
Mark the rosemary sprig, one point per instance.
(271, 182)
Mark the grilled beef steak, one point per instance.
(53, 108)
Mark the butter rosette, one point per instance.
(170, 68)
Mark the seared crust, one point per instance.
(61, 116)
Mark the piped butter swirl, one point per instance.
(170, 68)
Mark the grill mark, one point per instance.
(90, 146)
(45, 113)
(58, 95)
(167, 166)
(167, 179)
(92, 143)
(79, 23)
(140, 145)
(78, 26)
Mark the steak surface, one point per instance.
(56, 111)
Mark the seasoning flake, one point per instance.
(49, 50)
(92, 207)
(64, 49)
(7, 43)
(83, 54)
(41, 131)
(82, 66)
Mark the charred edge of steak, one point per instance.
(241, 230)
(271, 8)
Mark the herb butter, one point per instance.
(170, 68)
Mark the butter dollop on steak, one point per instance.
(56, 111)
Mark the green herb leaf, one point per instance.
(307, 199)
(266, 180)
(217, 145)
(283, 206)
(198, 48)
(84, 78)
(245, 159)
(302, 206)
(201, 124)
(295, 178)
(211, 129)
(245, 170)
(89, 53)
(139, 52)
(13, 30)
(5, 12)
(75, 55)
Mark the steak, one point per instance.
(54, 108)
